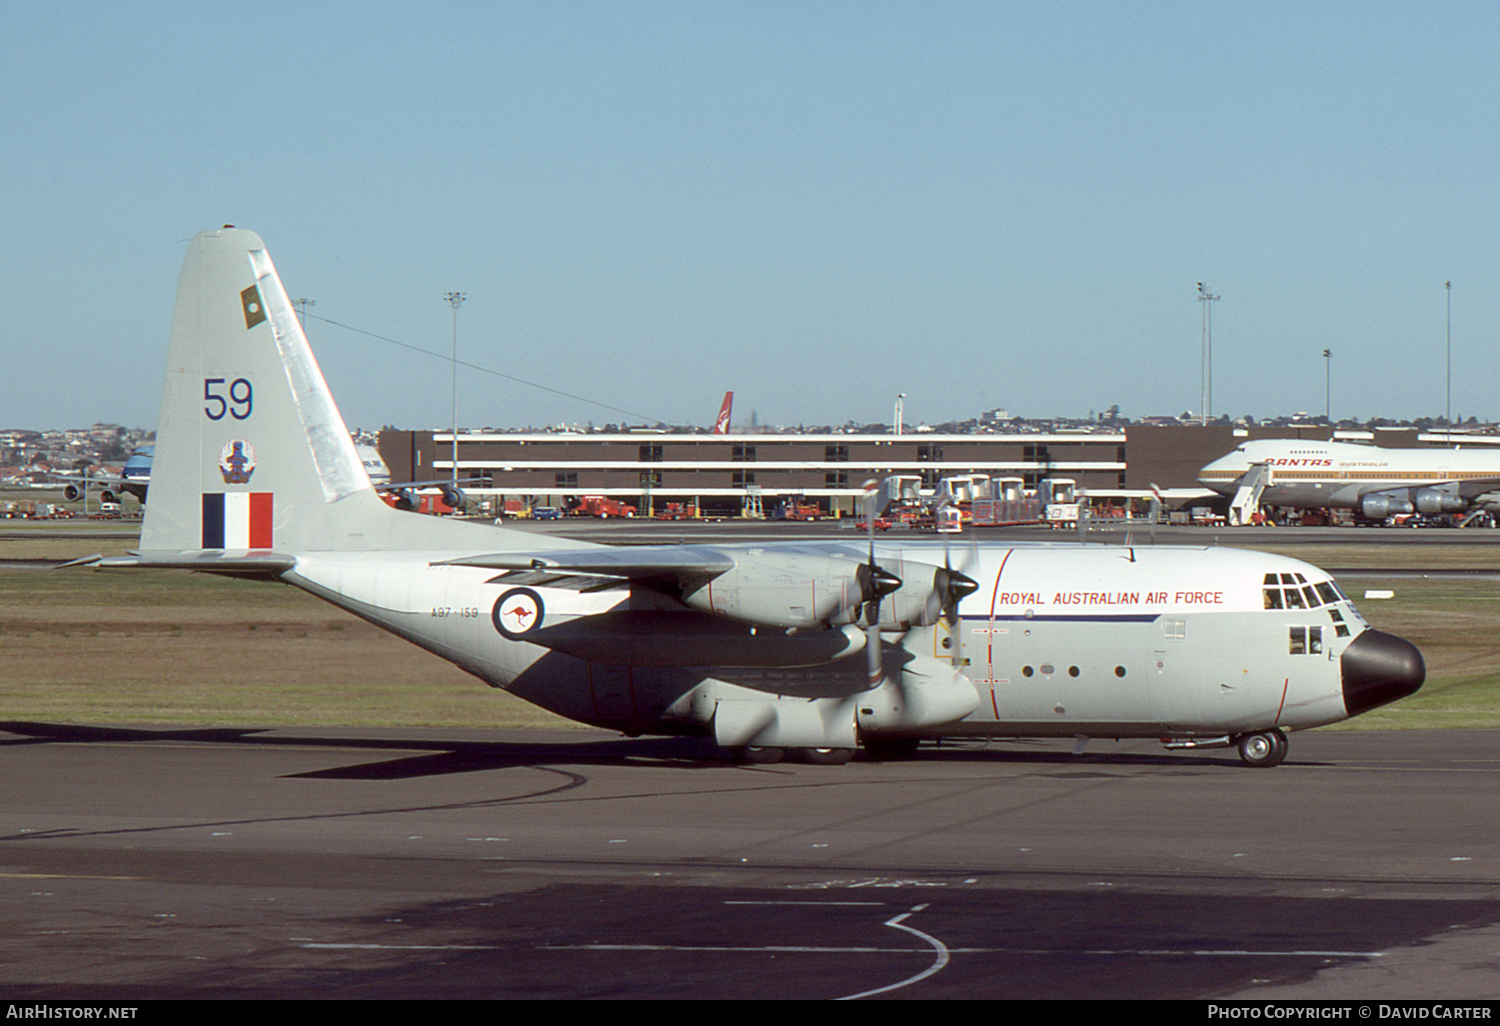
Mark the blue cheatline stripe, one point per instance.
(213, 520)
(1073, 617)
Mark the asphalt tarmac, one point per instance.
(230, 863)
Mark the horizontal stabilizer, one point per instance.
(248, 564)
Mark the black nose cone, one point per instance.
(1378, 668)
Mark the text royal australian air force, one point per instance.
(1154, 599)
(1144, 582)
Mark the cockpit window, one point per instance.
(1291, 591)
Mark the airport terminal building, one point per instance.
(732, 474)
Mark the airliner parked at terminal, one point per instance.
(812, 647)
(1375, 482)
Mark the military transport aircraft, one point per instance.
(1375, 482)
(813, 647)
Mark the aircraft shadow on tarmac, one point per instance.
(445, 757)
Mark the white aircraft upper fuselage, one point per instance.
(816, 647)
(1347, 475)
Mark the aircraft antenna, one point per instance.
(302, 305)
(455, 300)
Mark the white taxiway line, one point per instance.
(942, 957)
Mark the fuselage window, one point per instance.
(1294, 598)
(1273, 598)
(1174, 629)
(1328, 592)
(1306, 640)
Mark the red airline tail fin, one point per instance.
(721, 426)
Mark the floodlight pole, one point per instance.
(1448, 400)
(1328, 390)
(455, 299)
(1205, 297)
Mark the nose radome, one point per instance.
(1378, 668)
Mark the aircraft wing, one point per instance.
(636, 563)
(93, 478)
(1473, 487)
(392, 486)
(789, 588)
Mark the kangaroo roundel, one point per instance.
(518, 611)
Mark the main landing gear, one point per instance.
(761, 755)
(1264, 749)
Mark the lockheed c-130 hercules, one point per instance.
(813, 648)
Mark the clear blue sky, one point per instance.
(817, 205)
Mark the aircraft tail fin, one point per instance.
(251, 451)
(721, 425)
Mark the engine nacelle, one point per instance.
(787, 589)
(453, 496)
(1441, 499)
(793, 589)
(72, 492)
(1380, 505)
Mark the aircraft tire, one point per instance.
(826, 756)
(1263, 750)
(759, 755)
(1281, 742)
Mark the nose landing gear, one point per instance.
(1263, 750)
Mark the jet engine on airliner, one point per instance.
(1442, 498)
(1379, 505)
